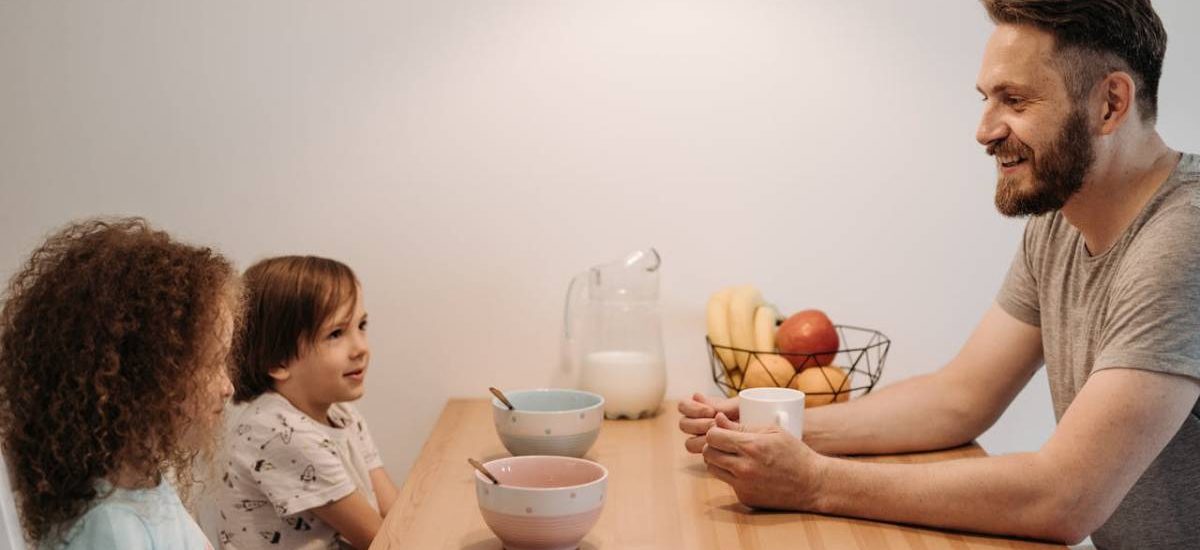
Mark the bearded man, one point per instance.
(1104, 290)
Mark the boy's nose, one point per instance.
(361, 347)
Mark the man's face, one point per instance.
(1041, 140)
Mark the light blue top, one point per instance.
(141, 519)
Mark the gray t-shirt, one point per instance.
(1134, 306)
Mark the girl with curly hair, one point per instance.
(115, 345)
(303, 471)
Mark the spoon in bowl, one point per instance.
(500, 395)
(483, 470)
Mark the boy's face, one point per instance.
(331, 369)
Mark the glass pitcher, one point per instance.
(612, 334)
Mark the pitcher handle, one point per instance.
(567, 305)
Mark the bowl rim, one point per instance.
(496, 404)
(603, 473)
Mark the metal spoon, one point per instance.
(483, 470)
(500, 395)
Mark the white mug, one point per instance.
(783, 407)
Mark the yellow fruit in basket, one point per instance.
(822, 380)
(742, 303)
(767, 370)
(718, 325)
(764, 328)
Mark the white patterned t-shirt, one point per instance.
(281, 464)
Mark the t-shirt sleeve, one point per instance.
(1154, 313)
(295, 464)
(1018, 294)
(110, 527)
(370, 453)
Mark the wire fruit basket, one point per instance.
(862, 354)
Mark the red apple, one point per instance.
(808, 332)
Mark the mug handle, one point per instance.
(781, 419)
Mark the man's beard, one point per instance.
(1057, 173)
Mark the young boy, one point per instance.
(302, 470)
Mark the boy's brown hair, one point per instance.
(288, 299)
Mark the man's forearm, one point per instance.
(918, 414)
(1010, 495)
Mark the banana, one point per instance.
(764, 328)
(718, 325)
(742, 303)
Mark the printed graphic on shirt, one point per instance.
(298, 523)
(284, 433)
(309, 475)
(252, 505)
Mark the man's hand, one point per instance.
(698, 414)
(767, 468)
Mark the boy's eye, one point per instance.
(362, 325)
(335, 334)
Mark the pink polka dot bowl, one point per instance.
(542, 502)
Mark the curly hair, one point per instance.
(108, 336)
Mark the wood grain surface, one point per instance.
(659, 497)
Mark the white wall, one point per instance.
(468, 157)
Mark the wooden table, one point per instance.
(659, 497)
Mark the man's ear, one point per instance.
(279, 372)
(1118, 92)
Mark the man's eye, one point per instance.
(1014, 101)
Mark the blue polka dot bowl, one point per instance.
(556, 422)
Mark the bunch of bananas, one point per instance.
(739, 318)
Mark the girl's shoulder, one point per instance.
(107, 524)
(136, 520)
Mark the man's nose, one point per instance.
(991, 128)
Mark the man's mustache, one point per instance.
(1009, 147)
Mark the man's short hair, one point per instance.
(1094, 38)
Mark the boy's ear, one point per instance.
(279, 373)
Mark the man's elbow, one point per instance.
(1070, 520)
(1066, 531)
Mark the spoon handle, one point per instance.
(483, 470)
(500, 395)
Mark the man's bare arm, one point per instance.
(1120, 421)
